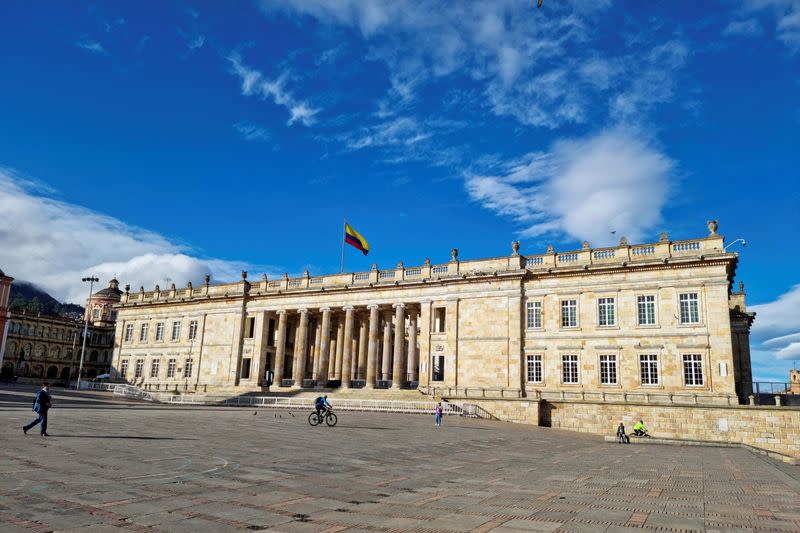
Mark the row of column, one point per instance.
(353, 356)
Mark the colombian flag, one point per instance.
(353, 238)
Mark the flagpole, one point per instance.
(344, 225)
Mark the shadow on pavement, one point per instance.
(132, 437)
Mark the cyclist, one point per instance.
(321, 404)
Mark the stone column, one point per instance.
(387, 348)
(399, 344)
(354, 352)
(324, 346)
(300, 348)
(347, 351)
(339, 349)
(363, 337)
(316, 352)
(280, 349)
(372, 350)
(413, 363)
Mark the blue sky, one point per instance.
(161, 141)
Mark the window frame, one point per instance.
(192, 330)
(441, 371)
(123, 368)
(160, 327)
(172, 365)
(531, 363)
(138, 371)
(601, 301)
(144, 332)
(155, 368)
(652, 364)
(576, 325)
(436, 325)
(639, 323)
(697, 363)
(533, 310)
(128, 337)
(698, 320)
(175, 336)
(576, 361)
(613, 362)
(188, 366)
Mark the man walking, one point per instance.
(41, 404)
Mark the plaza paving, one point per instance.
(127, 466)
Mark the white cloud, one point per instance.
(92, 46)
(776, 330)
(252, 132)
(586, 188)
(785, 14)
(60, 243)
(747, 28)
(254, 83)
(541, 68)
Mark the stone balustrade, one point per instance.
(622, 255)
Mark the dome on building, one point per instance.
(111, 292)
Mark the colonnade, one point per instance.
(343, 344)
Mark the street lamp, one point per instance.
(91, 281)
(744, 243)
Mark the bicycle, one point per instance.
(328, 416)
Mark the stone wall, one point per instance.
(774, 429)
(520, 411)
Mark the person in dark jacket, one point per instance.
(41, 404)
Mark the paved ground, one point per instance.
(126, 467)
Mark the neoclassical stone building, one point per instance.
(659, 317)
(5, 292)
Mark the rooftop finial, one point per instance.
(244, 275)
(712, 227)
(515, 248)
(454, 254)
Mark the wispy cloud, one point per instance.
(584, 188)
(775, 336)
(252, 132)
(783, 14)
(62, 242)
(748, 28)
(254, 83)
(92, 46)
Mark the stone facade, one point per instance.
(5, 292)
(48, 347)
(656, 318)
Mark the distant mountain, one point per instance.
(26, 296)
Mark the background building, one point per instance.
(649, 319)
(5, 291)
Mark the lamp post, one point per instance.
(744, 243)
(91, 281)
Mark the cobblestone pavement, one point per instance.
(131, 467)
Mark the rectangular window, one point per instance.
(249, 327)
(143, 332)
(176, 331)
(608, 369)
(246, 368)
(690, 313)
(128, 332)
(693, 370)
(569, 369)
(187, 368)
(123, 369)
(647, 310)
(648, 368)
(171, 368)
(606, 312)
(192, 330)
(154, 365)
(160, 331)
(534, 315)
(569, 313)
(437, 367)
(139, 368)
(439, 320)
(534, 369)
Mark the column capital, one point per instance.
(302, 310)
(325, 309)
(400, 305)
(280, 312)
(347, 308)
(373, 306)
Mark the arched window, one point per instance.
(38, 371)
(105, 356)
(96, 313)
(11, 349)
(41, 351)
(65, 373)
(55, 352)
(94, 356)
(27, 350)
(52, 372)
